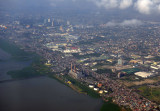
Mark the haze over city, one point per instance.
(79, 55)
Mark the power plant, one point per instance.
(74, 73)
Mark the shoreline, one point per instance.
(12, 80)
(69, 85)
(80, 89)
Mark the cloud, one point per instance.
(111, 24)
(148, 6)
(159, 8)
(106, 3)
(142, 6)
(132, 22)
(110, 4)
(125, 4)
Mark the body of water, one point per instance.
(8, 64)
(39, 94)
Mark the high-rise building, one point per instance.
(49, 20)
(52, 23)
(68, 23)
(120, 61)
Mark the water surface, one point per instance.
(43, 94)
(39, 94)
(8, 64)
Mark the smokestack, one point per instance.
(74, 68)
(71, 67)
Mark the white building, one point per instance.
(144, 74)
(75, 75)
(72, 51)
(155, 67)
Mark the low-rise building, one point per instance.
(144, 74)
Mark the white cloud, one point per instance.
(132, 22)
(147, 6)
(106, 3)
(159, 8)
(110, 4)
(111, 24)
(142, 6)
(125, 4)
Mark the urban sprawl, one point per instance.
(100, 56)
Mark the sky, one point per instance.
(141, 6)
(128, 11)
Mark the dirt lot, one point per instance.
(146, 81)
(117, 67)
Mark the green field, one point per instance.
(90, 41)
(83, 87)
(131, 71)
(109, 106)
(150, 93)
(101, 71)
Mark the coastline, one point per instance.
(42, 70)
(77, 86)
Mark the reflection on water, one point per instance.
(40, 94)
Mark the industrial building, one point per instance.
(74, 73)
(144, 74)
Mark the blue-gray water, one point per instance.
(39, 94)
